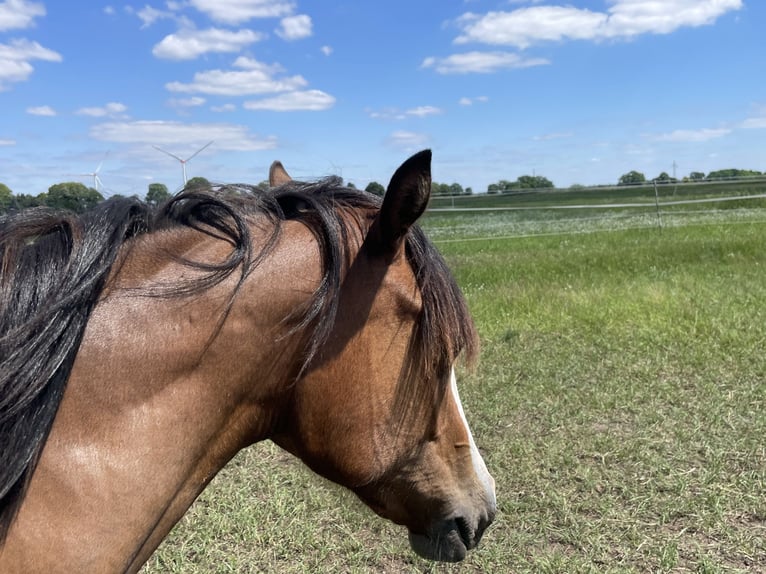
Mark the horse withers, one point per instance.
(142, 348)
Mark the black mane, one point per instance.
(54, 266)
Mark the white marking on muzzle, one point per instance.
(478, 462)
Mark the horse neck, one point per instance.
(154, 407)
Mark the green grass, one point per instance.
(620, 403)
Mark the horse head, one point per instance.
(377, 410)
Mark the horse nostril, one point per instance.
(465, 531)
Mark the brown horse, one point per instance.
(142, 348)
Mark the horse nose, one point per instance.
(484, 522)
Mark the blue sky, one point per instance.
(579, 91)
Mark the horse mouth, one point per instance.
(449, 542)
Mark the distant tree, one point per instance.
(24, 201)
(522, 182)
(72, 195)
(499, 187)
(532, 182)
(198, 182)
(375, 188)
(157, 193)
(468, 191)
(455, 189)
(632, 178)
(664, 177)
(439, 188)
(351, 185)
(696, 176)
(6, 197)
(732, 173)
(576, 187)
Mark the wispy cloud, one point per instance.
(481, 62)
(41, 111)
(407, 141)
(553, 136)
(701, 135)
(757, 122)
(182, 103)
(149, 15)
(423, 111)
(4, 142)
(112, 110)
(308, 100)
(465, 101)
(227, 136)
(396, 114)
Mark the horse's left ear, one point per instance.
(278, 175)
(405, 201)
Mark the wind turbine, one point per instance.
(183, 161)
(97, 183)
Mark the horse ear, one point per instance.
(405, 201)
(278, 175)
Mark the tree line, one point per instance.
(637, 178)
(76, 196)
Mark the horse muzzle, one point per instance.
(449, 540)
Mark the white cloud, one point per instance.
(18, 14)
(326, 50)
(481, 62)
(634, 17)
(309, 100)
(223, 108)
(189, 44)
(238, 11)
(701, 135)
(109, 10)
(258, 78)
(41, 111)
(7, 142)
(523, 26)
(294, 27)
(112, 109)
(15, 60)
(623, 19)
(226, 136)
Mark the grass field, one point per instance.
(620, 403)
